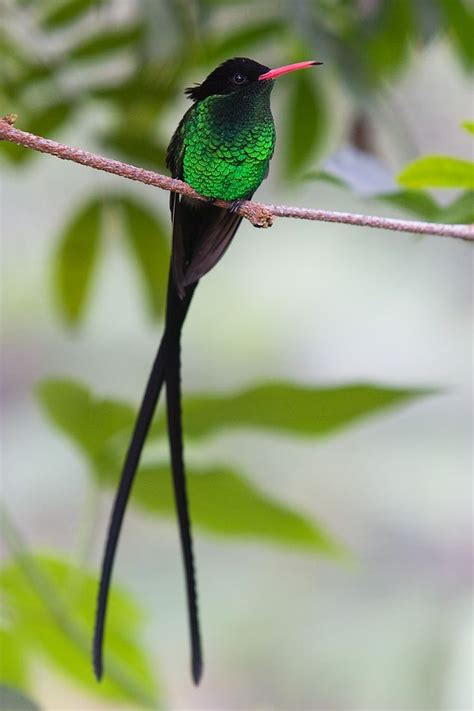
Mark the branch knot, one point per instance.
(258, 214)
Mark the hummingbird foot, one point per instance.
(235, 205)
(259, 215)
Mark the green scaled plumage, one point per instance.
(223, 157)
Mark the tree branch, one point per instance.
(259, 214)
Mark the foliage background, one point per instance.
(315, 307)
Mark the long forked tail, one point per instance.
(175, 436)
(176, 314)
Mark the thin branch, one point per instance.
(259, 214)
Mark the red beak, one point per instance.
(274, 73)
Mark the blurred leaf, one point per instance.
(49, 119)
(460, 211)
(149, 241)
(108, 41)
(326, 177)
(14, 58)
(155, 81)
(187, 18)
(35, 72)
(92, 424)
(386, 49)
(43, 123)
(142, 150)
(469, 126)
(438, 172)
(14, 669)
(54, 605)
(15, 700)
(417, 202)
(88, 420)
(290, 408)
(363, 172)
(224, 503)
(76, 260)
(307, 120)
(346, 53)
(57, 14)
(18, 68)
(420, 203)
(428, 15)
(459, 17)
(232, 43)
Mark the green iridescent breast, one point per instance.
(227, 144)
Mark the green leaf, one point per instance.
(223, 502)
(294, 409)
(49, 119)
(90, 422)
(386, 48)
(156, 82)
(13, 663)
(93, 422)
(460, 20)
(438, 172)
(325, 176)
(417, 202)
(469, 126)
(93, 426)
(109, 41)
(42, 123)
(428, 21)
(234, 42)
(460, 211)
(76, 260)
(57, 14)
(96, 425)
(307, 121)
(12, 699)
(142, 149)
(420, 203)
(149, 242)
(18, 69)
(54, 604)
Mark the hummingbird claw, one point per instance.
(235, 205)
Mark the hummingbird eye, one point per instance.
(239, 78)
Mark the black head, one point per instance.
(230, 77)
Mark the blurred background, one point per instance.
(288, 622)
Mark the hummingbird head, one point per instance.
(236, 75)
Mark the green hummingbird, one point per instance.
(222, 148)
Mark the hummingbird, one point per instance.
(222, 148)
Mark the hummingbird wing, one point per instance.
(201, 231)
(201, 234)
